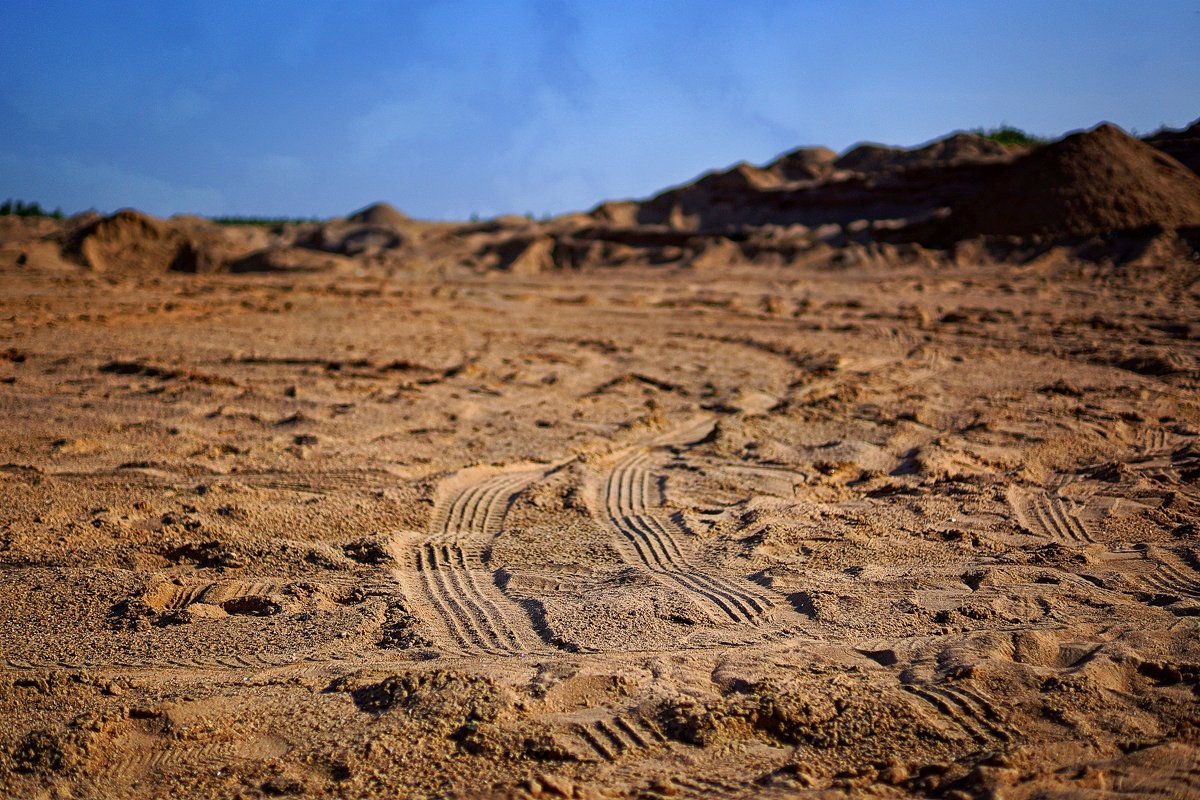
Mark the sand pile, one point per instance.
(1183, 145)
(208, 247)
(31, 242)
(812, 187)
(127, 241)
(620, 213)
(526, 256)
(803, 164)
(368, 232)
(379, 214)
(130, 241)
(1089, 183)
(959, 148)
(960, 187)
(714, 200)
(741, 177)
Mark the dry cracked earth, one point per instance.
(871, 531)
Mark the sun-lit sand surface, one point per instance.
(413, 521)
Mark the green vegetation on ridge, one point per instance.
(1009, 136)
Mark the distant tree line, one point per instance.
(19, 208)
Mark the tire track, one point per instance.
(1160, 473)
(1169, 469)
(136, 763)
(106, 665)
(779, 481)
(969, 711)
(456, 586)
(627, 504)
(787, 634)
(137, 766)
(952, 712)
(1171, 579)
(1049, 514)
(443, 604)
(612, 738)
(748, 603)
(1167, 458)
(173, 597)
(982, 708)
(1159, 442)
(1171, 781)
(475, 511)
(707, 788)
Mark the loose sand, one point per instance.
(639, 533)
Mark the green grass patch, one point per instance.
(1009, 136)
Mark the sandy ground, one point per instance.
(894, 532)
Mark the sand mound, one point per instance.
(31, 242)
(715, 199)
(719, 253)
(963, 147)
(1183, 145)
(741, 177)
(869, 157)
(1089, 183)
(802, 164)
(958, 148)
(130, 241)
(622, 213)
(126, 226)
(352, 239)
(369, 232)
(956, 188)
(379, 214)
(208, 247)
(528, 257)
(14, 228)
(127, 241)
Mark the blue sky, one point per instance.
(451, 108)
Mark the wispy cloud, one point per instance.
(425, 108)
